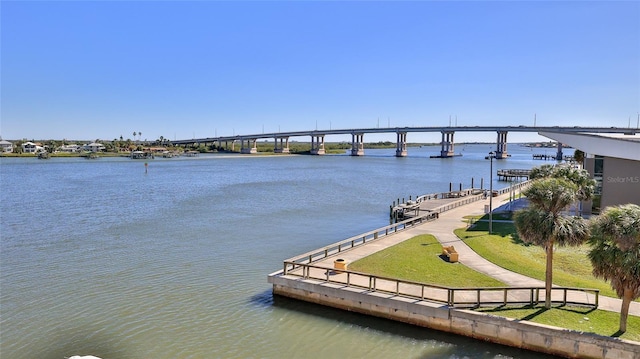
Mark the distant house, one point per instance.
(69, 148)
(30, 147)
(6, 146)
(94, 147)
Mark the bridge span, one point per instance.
(281, 139)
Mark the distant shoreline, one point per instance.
(63, 155)
(329, 149)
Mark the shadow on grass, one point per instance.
(498, 228)
(445, 258)
(617, 334)
(579, 310)
(473, 236)
(535, 314)
(430, 244)
(515, 239)
(530, 316)
(538, 310)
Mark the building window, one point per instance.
(598, 170)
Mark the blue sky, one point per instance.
(100, 70)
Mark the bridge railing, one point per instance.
(451, 296)
(345, 131)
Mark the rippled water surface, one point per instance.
(99, 257)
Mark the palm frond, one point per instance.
(615, 248)
(551, 194)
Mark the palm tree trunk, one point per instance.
(624, 310)
(549, 275)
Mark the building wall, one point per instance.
(620, 182)
(589, 164)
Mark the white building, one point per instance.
(30, 147)
(6, 146)
(613, 161)
(93, 147)
(69, 148)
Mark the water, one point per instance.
(99, 257)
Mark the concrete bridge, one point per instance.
(281, 139)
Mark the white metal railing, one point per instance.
(453, 297)
(433, 214)
(349, 243)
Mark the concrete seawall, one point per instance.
(416, 310)
(511, 332)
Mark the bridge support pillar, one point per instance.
(446, 146)
(317, 144)
(284, 145)
(559, 153)
(357, 144)
(401, 145)
(501, 145)
(251, 146)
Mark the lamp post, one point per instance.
(491, 155)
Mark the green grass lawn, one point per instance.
(418, 259)
(571, 267)
(576, 318)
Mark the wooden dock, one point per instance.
(513, 174)
(545, 157)
(429, 203)
(440, 202)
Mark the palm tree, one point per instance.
(615, 253)
(580, 177)
(543, 224)
(578, 156)
(543, 171)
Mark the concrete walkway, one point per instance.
(443, 228)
